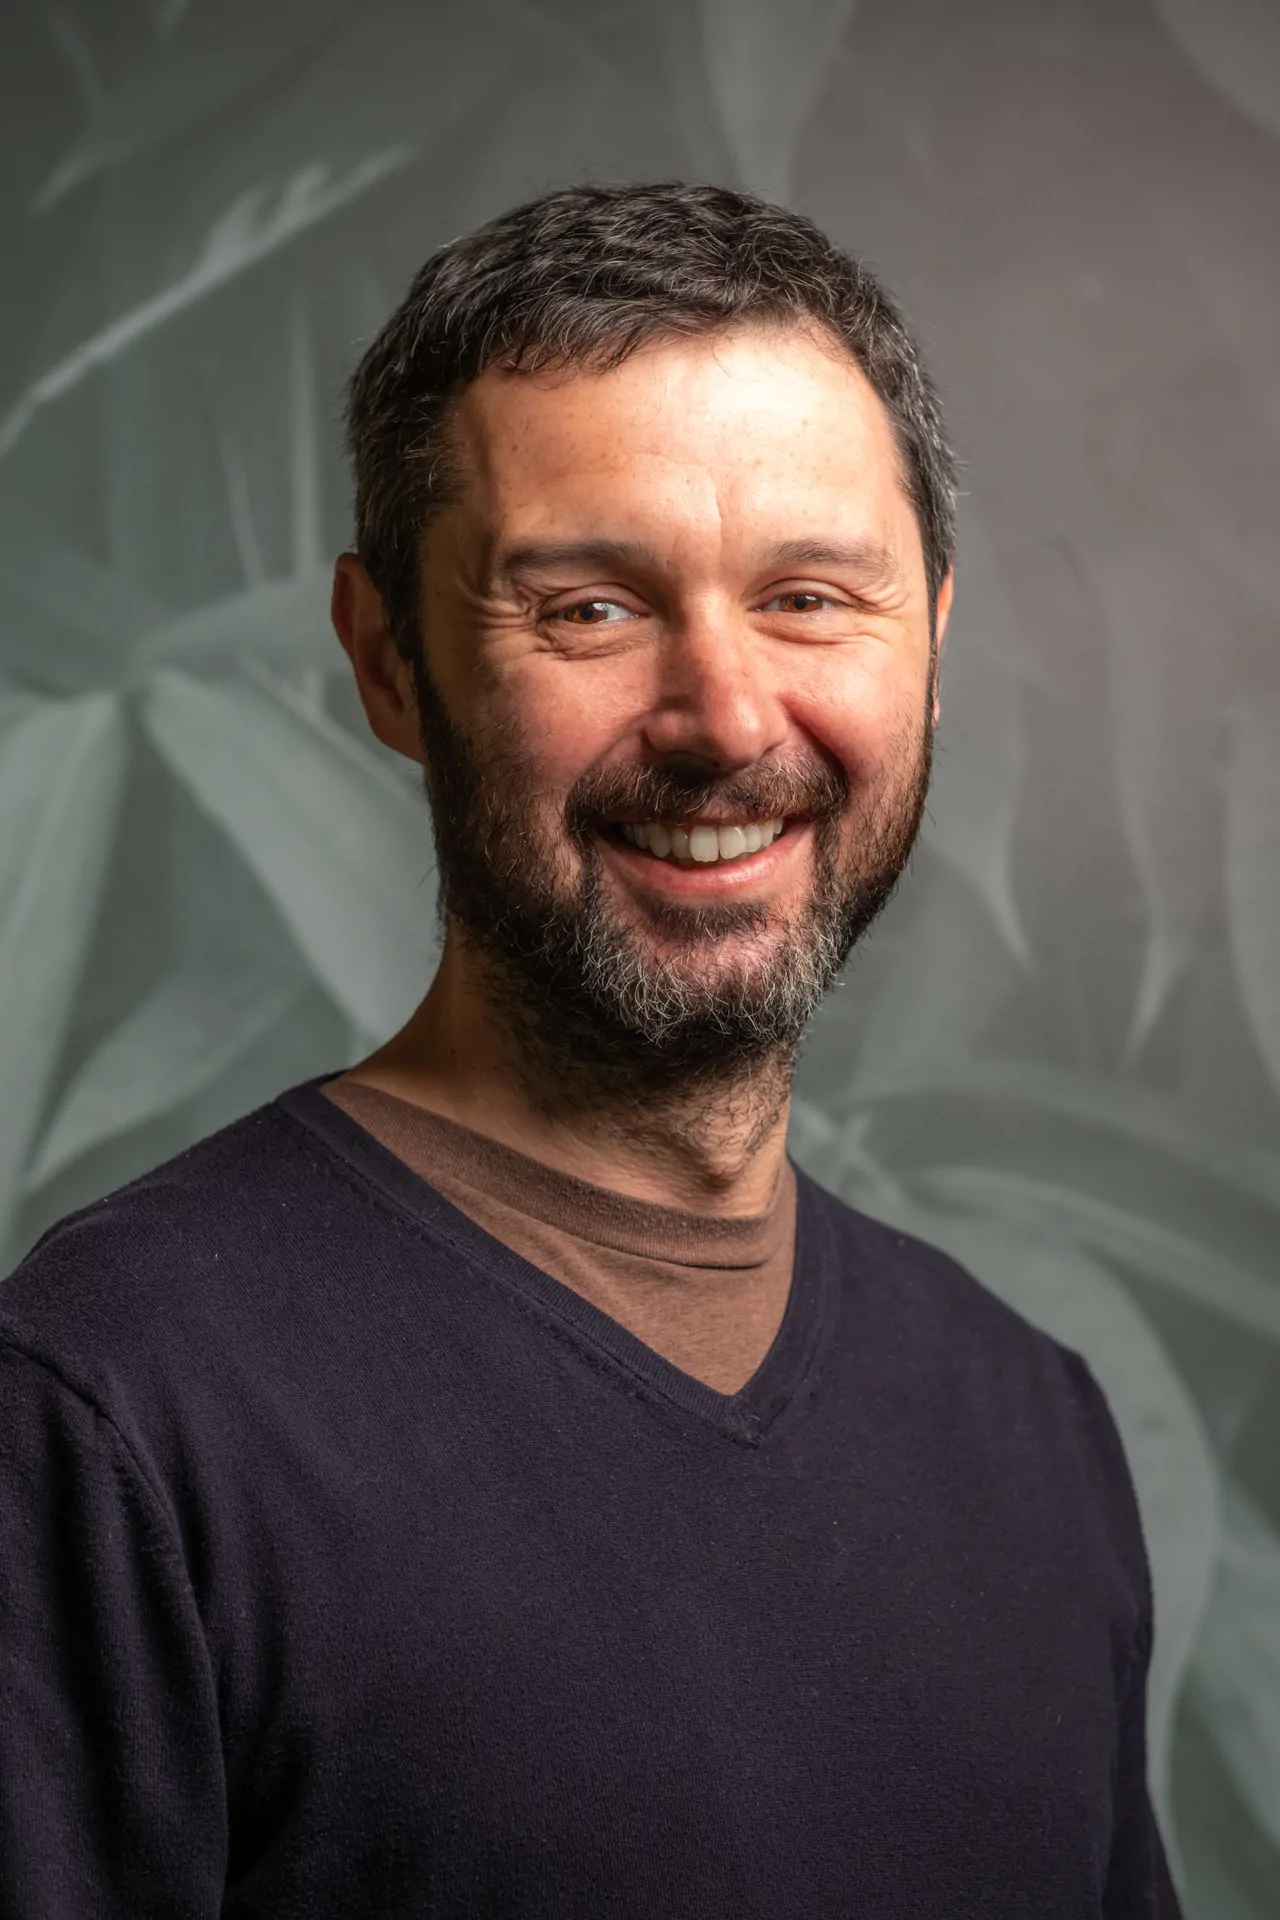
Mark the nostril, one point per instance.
(686, 765)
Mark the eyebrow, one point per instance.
(874, 562)
(541, 556)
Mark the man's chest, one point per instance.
(530, 1686)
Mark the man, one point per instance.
(493, 1481)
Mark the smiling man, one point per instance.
(493, 1481)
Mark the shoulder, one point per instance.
(154, 1274)
(969, 1361)
(908, 1280)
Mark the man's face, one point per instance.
(680, 701)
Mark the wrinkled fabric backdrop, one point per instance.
(1059, 1054)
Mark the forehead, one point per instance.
(749, 427)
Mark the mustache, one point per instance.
(812, 787)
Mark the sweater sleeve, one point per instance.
(112, 1792)
(1139, 1885)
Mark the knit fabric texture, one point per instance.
(351, 1565)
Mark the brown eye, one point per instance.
(797, 601)
(591, 613)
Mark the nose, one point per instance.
(716, 707)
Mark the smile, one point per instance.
(700, 844)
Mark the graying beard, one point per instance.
(658, 1003)
(600, 1025)
(591, 1015)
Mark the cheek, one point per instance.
(867, 712)
(569, 716)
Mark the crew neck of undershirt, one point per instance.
(751, 1416)
(465, 1159)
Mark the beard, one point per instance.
(619, 1002)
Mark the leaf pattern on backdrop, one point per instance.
(1162, 708)
(1236, 1675)
(184, 1035)
(253, 227)
(61, 774)
(981, 761)
(284, 623)
(337, 841)
(1235, 46)
(65, 619)
(179, 79)
(922, 1020)
(1163, 1257)
(766, 61)
(1253, 869)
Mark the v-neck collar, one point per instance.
(744, 1416)
(466, 1165)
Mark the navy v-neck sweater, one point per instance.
(351, 1566)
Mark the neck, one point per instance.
(707, 1145)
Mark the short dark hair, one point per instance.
(582, 277)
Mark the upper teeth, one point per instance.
(700, 843)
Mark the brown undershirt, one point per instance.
(706, 1293)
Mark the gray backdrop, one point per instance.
(1060, 1053)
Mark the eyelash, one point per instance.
(563, 613)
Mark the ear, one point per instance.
(946, 593)
(382, 674)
